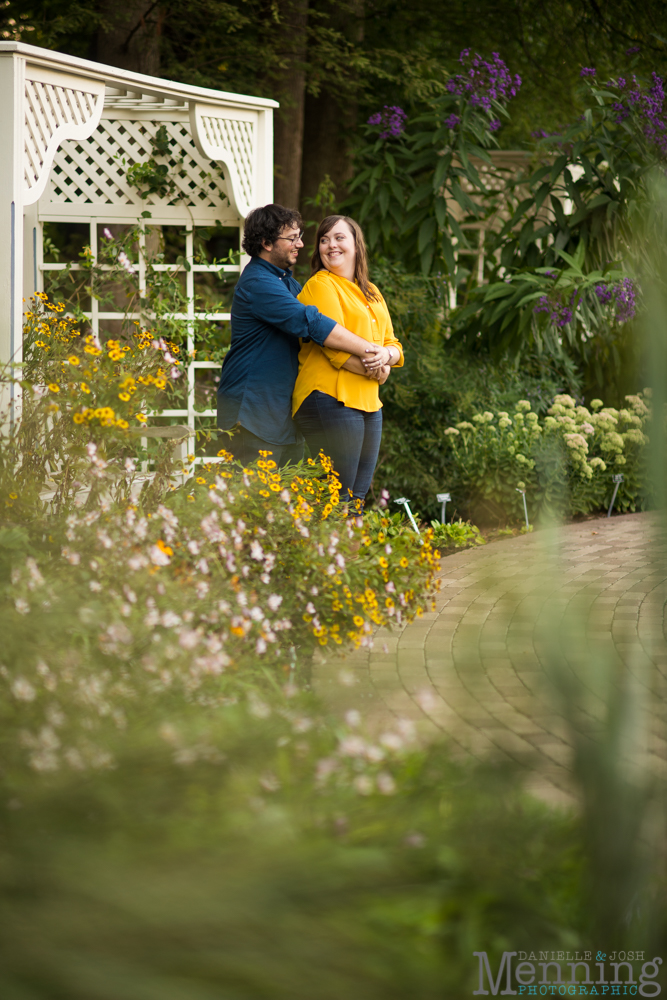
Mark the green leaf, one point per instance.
(424, 190)
(448, 253)
(426, 236)
(426, 259)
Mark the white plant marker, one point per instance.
(442, 498)
(406, 503)
(617, 479)
(525, 509)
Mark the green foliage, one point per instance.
(440, 384)
(456, 534)
(555, 240)
(565, 462)
(566, 228)
(414, 188)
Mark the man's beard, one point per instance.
(282, 259)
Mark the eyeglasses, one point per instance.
(292, 239)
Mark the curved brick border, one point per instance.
(477, 667)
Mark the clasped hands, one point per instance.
(376, 366)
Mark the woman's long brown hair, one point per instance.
(361, 264)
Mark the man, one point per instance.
(260, 369)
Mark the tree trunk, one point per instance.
(288, 122)
(329, 126)
(131, 39)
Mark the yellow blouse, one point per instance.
(319, 367)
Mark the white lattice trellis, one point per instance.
(238, 138)
(56, 109)
(71, 129)
(95, 171)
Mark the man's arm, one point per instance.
(354, 364)
(373, 356)
(271, 302)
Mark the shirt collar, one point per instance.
(281, 272)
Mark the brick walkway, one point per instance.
(478, 668)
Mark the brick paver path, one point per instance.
(586, 600)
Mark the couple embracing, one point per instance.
(307, 363)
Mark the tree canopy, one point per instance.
(332, 65)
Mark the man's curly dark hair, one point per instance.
(265, 224)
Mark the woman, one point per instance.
(336, 405)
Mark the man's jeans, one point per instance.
(351, 438)
(245, 447)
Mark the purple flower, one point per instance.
(494, 124)
(632, 50)
(391, 119)
(483, 80)
(647, 106)
(560, 314)
(451, 121)
(587, 71)
(623, 295)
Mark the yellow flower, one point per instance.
(168, 551)
(40, 343)
(275, 487)
(123, 424)
(13, 496)
(84, 387)
(358, 621)
(125, 396)
(141, 418)
(404, 563)
(264, 493)
(78, 418)
(54, 387)
(73, 360)
(200, 480)
(160, 383)
(383, 562)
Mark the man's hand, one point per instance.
(381, 374)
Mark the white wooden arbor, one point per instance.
(66, 125)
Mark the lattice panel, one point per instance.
(48, 108)
(237, 137)
(94, 171)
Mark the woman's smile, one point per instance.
(338, 251)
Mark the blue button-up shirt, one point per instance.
(260, 369)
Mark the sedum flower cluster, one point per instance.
(564, 460)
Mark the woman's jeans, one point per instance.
(351, 438)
